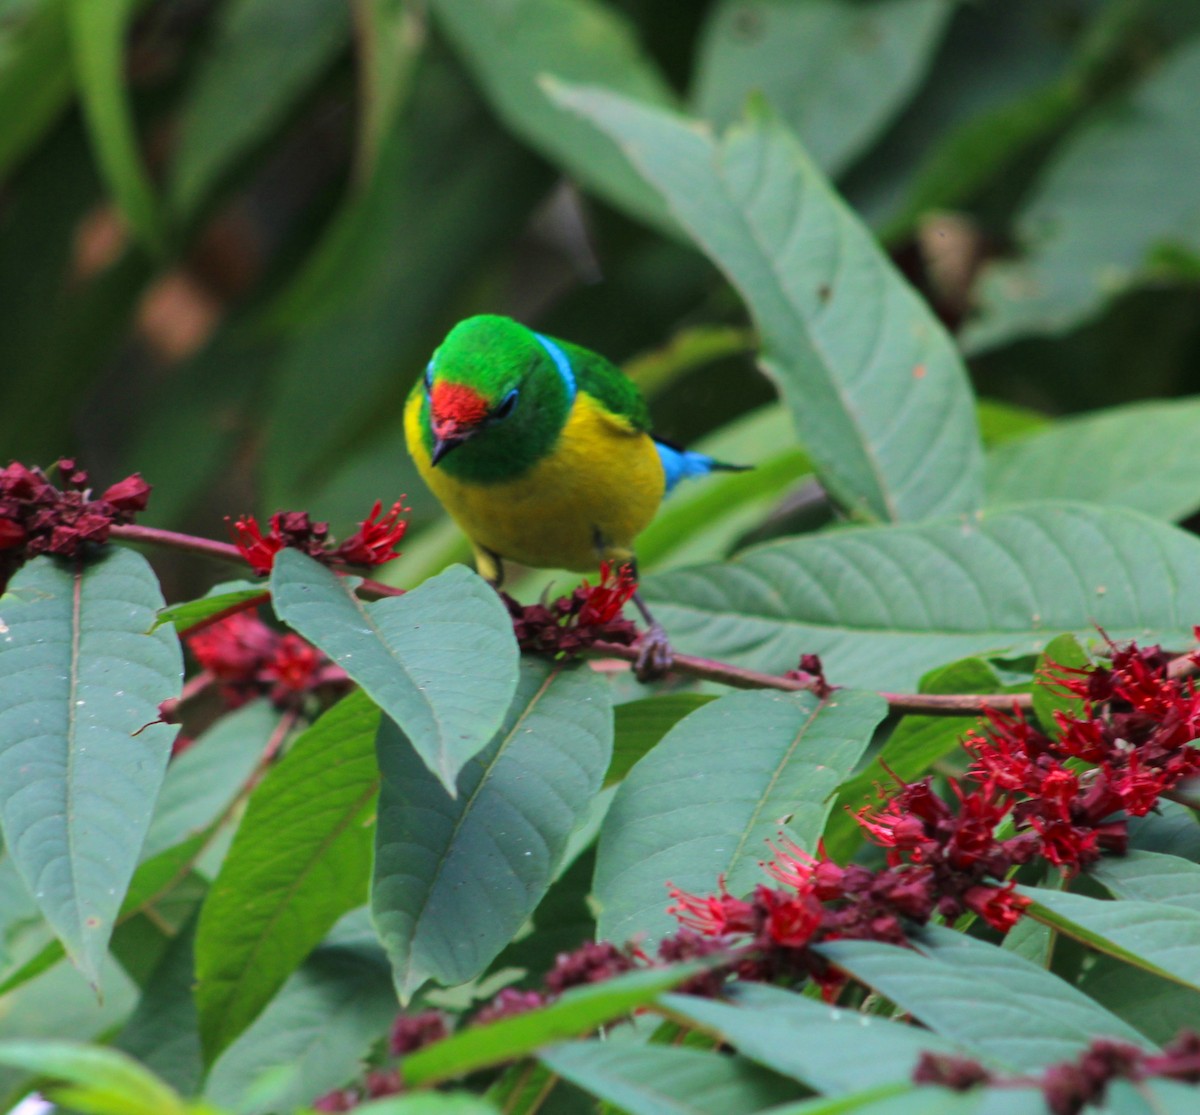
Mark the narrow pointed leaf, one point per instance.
(1160, 938)
(882, 606)
(832, 1050)
(217, 599)
(1033, 1018)
(876, 387)
(80, 680)
(98, 45)
(455, 878)
(412, 653)
(662, 1080)
(301, 858)
(728, 778)
(35, 77)
(579, 1011)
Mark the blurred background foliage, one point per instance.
(232, 231)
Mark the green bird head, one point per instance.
(496, 398)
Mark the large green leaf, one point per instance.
(578, 40)
(1163, 939)
(97, 1081)
(877, 390)
(204, 781)
(1150, 877)
(661, 1080)
(455, 878)
(35, 76)
(81, 759)
(97, 33)
(264, 55)
(301, 858)
(731, 776)
(313, 1035)
(836, 72)
(639, 725)
(884, 605)
(412, 653)
(1145, 456)
(1121, 189)
(1033, 1017)
(832, 1050)
(577, 1012)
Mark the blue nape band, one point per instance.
(561, 362)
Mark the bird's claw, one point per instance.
(655, 656)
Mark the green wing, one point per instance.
(608, 385)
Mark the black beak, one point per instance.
(443, 445)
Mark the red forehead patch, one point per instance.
(458, 404)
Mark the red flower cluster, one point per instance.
(38, 518)
(1070, 1086)
(591, 614)
(250, 659)
(373, 543)
(1135, 736)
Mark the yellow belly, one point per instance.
(584, 503)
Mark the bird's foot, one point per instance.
(655, 656)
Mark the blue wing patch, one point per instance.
(678, 464)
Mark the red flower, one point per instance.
(258, 550)
(128, 495)
(713, 915)
(791, 920)
(1000, 907)
(374, 542)
(603, 603)
(411, 1032)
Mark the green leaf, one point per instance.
(412, 652)
(1062, 651)
(301, 858)
(163, 1031)
(1111, 197)
(910, 751)
(736, 773)
(459, 1103)
(837, 73)
(663, 1080)
(576, 40)
(313, 1035)
(100, 1080)
(1002, 422)
(907, 1099)
(204, 781)
(1172, 829)
(264, 55)
(884, 605)
(1145, 456)
(877, 390)
(1032, 1020)
(81, 757)
(390, 36)
(455, 878)
(97, 33)
(1161, 939)
(639, 725)
(35, 77)
(578, 1011)
(1156, 1007)
(228, 594)
(833, 1050)
(1150, 877)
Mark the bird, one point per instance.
(541, 450)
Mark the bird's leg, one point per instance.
(655, 656)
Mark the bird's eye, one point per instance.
(429, 376)
(506, 405)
